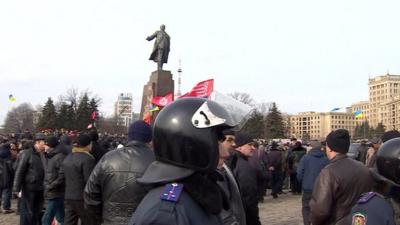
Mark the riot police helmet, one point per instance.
(388, 162)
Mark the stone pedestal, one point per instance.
(160, 84)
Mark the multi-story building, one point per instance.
(123, 109)
(382, 90)
(392, 112)
(317, 125)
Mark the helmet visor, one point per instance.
(240, 112)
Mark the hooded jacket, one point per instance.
(309, 168)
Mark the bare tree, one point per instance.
(243, 97)
(73, 97)
(19, 118)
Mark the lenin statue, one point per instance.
(161, 47)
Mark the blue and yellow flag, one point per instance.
(155, 108)
(359, 114)
(11, 98)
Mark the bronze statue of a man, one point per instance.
(161, 47)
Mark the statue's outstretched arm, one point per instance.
(151, 37)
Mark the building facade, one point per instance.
(123, 109)
(392, 114)
(383, 91)
(317, 125)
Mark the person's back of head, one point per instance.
(140, 131)
(94, 136)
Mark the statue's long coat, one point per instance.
(162, 42)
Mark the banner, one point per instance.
(163, 100)
(201, 90)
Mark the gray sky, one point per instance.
(304, 55)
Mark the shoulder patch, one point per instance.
(172, 192)
(358, 219)
(366, 197)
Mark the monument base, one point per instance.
(160, 84)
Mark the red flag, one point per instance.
(147, 118)
(94, 115)
(202, 89)
(163, 100)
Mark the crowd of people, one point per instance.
(194, 167)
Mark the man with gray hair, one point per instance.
(309, 168)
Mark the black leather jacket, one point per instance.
(112, 186)
(54, 180)
(29, 173)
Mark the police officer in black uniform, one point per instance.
(375, 208)
(184, 177)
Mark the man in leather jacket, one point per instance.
(235, 215)
(29, 176)
(339, 184)
(54, 182)
(112, 192)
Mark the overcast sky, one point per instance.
(304, 55)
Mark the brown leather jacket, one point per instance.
(337, 189)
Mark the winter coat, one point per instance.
(337, 189)
(275, 159)
(6, 169)
(113, 186)
(309, 168)
(77, 167)
(29, 174)
(235, 213)
(294, 158)
(246, 177)
(97, 151)
(54, 180)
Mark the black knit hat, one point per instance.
(242, 139)
(83, 140)
(140, 131)
(51, 141)
(338, 141)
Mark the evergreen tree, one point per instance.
(83, 113)
(65, 116)
(363, 131)
(379, 130)
(274, 126)
(70, 122)
(255, 125)
(48, 118)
